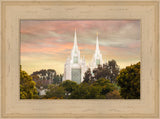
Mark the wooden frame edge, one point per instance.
(3, 9)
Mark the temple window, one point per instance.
(75, 59)
(97, 61)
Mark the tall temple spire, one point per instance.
(75, 40)
(97, 44)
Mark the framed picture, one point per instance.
(80, 59)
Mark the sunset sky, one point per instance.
(47, 44)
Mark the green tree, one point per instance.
(99, 72)
(80, 92)
(37, 80)
(114, 71)
(55, 92)
(105, 85)
(88, 78)
(96, 90)
(129, 81)
(109, 71)
(57, 79)
(86, 91)
(27, 86)
(69, 86)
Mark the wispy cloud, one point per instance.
(49, 43)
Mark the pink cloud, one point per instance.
(56, 38)
(69, 26)
(49, 50)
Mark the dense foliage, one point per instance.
(69, 86)
(27, 86)
(86, 91)
(109, 71)
(71, 90)
(44, 77)
(129, 81)
(88, 78)
(105, 82)
(43, 72)
(57, 78)
(55, 92)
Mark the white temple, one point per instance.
(75, 67)
(97, 57)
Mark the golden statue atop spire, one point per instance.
(97, 33)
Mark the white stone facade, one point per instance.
(75, 66)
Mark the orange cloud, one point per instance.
(51, 41)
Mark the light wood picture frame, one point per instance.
(12, 11)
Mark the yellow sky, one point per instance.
(47, 44)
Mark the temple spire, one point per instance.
(97, 44)
(75, 40)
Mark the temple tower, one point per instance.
(97, 57)
(75, 67)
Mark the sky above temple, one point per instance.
(47, 44)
